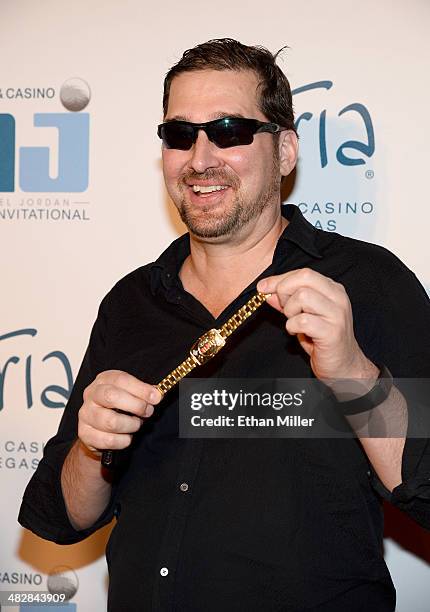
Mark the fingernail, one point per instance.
(262, 285)
(154, 396)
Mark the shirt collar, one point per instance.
(298, 231)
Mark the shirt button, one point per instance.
(184, 486)
(164, 571)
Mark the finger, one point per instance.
(110, 396)
(309, 300)
(130, 383)
(109, 421)
(311, 325)
(306, 343)
(273, 301)
(99, 440)
(288, 283)
(268, 284)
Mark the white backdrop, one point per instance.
(360, 72)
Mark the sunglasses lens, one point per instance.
(231, 133)
(177, 136)
(227, 132)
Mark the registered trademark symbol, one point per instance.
(369, 174)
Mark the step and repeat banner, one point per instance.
(82, 200)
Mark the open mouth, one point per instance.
(208, 191)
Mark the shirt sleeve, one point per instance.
(412, 495)
(404, 324)
(43, 510)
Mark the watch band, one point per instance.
(206, 347)
(211, 343)
(377, 394)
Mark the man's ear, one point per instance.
(288, 151)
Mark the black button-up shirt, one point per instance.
(244, 524)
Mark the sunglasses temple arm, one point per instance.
(272, 128)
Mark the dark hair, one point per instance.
(229, 54)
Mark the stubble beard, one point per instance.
(207, 224)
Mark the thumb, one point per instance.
(273, 301)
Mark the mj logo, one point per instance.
(73, 155)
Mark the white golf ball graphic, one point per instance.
(62, 580)
(75, 94)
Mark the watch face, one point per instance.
(207, 345)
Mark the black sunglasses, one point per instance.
(225, 132)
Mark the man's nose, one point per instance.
(204, 153)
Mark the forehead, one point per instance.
(203, 95)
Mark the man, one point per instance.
(249, 524)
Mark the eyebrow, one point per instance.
(213, 117)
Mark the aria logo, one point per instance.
(366, 147)
(73, 147)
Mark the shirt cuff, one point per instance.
(412, 495)
(43, 510)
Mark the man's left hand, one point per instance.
(319, 313)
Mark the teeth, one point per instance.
(208, 188)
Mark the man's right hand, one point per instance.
(100, 425)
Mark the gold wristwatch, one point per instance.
(206, 347)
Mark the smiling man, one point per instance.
(223, 194)
(228, 196)
(240, 524)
